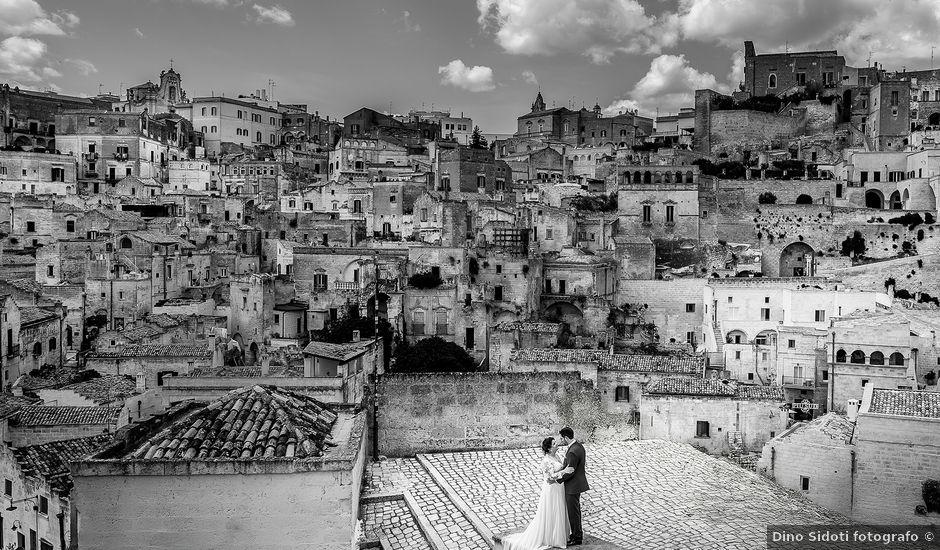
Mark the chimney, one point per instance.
(851, 409)
(141, 386)
(309, 362)
(355, 337)
(265, 363)
(258, 93)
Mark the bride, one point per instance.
(550, 526)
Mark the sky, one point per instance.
(483, 58)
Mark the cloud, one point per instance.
(26, 17)
(669, 85)
(473, 79)
(139, 33)
(21, 59)
(216, 3)
(83, 66)
(598, 29)
(529, 77)
(274, 14)
(407, 22)
(898, 32)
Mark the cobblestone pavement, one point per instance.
(398, 475)
(644, 495)
(394, 520)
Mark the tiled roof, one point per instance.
(27, 285)
(157, 350)
(162, 320)
(672, 364)
(50, 461)
(246, 371)
(920, 404)
(557, 355)
(526, 326)
(691, 386)
(105, 389)
(142, 332)
(832, 425)
(30, 315)
(41, 415)
(120, 215)
(162, 238)
(708, 387)
(339, 352)
(47, 378)
(250, 422)
(10, 403)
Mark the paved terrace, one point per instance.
(644, 495)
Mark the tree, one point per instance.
(767, 198)
(477, 140)
(854, 246)
(433, 355)
(425, 280)
(341, 330)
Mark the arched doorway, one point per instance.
(383, 306)
(934, 119)
(905, 200)
(252, 355)
(796, 260)
(804, 199)
(874, 199)
(895, 200)
(567, 313)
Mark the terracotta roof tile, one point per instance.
(41, 415)
(157, 350)
(50, 461)
(247, 371)
(105, 389)
(557, 355)
(30, 315)
(248, 423)
(10, 404)
(920, 404)
(339, 352)
(708, 387)
(526, 326)
(671, 364)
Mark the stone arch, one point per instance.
(896, 358)
(22, 141)
(796, 260)
(804, 199)
(736, 337)
(679, 177)
(252, 355)
(841, 356)
(876, 358)
(895, 200)
(765, 337)
(689, 177)
(658, 177)
(874, 199)
(647, 177)
(905, 199)
(934, 119)
(566, 312)
(637, 177)
(857, 357)
(667, 177)
(349, 272)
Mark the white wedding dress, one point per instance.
(550, 527)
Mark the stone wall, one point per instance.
(438, 412)
(738, 130)
(911, 273)
(668, 301)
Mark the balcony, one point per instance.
(91, 156)
(800, 382)
(120, 156)
(346, 285)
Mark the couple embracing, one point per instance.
(557, 520)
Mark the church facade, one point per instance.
(582, 127)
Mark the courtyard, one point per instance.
(644, 495)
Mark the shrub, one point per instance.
(931, 494)
(425, 280)
(433, 355)
(911, 219)
(767, 198)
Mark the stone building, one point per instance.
(285, 482)
(661, 202)
(888, 124)
(582, 126)
(37, 424)
(713, 415)
(782, 73)
(37, 173)
(150, 361)
(31, 116)
(233, 123)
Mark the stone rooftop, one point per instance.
(668, 364)
(339, 352)
(248, 423)
(50, 461)
(919, 404)
(526, 326)
(10, 404)
(30, 315)
(105, 389)
(41, 415)
(832, 425)
(708, 387)
(247, 371)
(157, 350)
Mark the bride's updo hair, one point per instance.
(547, 444)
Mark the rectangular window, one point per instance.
(864, 382)
(820, 315)
(877, 176)
(737, 354)
(498, 293)
(8, 487)
(647, 213)
(825, 375)
(92, 121)
(863, 177)
(30, 227)
(44, 505)
(702, 429)
(801, 79)
(50, 271)
(765, 314)
(622, 393)
(804, 483)
(670, 214)
(469, 340)
(548, 233)
(690, 308)
(791, 344)
(690, 337)
(895, 98)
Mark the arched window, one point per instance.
(858, 357)
(603, 133)
(52, 344)
(623, 133)
(37, 348)
(876, 358)
(896, 359)
(203, 111)
(772, 82)
(215, 129)
(126, 242)
(214, 111)
(736, 337)
(840, 356)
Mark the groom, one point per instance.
(575, 483)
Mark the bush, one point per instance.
(425, 280)
(767, 198)
(931, 494)
(854, 246)
(911, 219)
(433, 355)
(595, 203)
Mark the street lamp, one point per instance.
(33, 501)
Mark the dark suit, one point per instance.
(575, 484)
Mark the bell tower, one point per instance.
(170, 86)
(539, 104)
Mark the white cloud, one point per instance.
(83, 66)
(139, 33)
(407, 22)
(26, 17)
(272, 14)
(598, 29)
(669, 85)
(21, 59)
(474, 79)
(897, 32)
(529, 77)
(216, 3)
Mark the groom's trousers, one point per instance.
(573, 503)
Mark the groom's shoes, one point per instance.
(573, 542)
